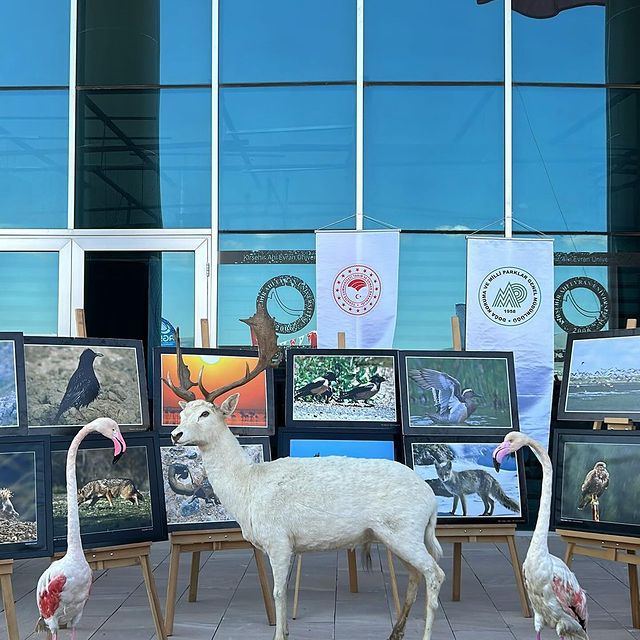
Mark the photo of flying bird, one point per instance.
(364, 391)
(453, 404)
(320, 387)
(83, 386)
(594, 485)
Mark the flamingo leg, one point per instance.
(73, 633)
(537, 635)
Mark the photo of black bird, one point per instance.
(594, 485)
(320, 387)
(364, 391)
(454, 405)
(83, 386)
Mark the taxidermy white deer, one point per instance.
(294, 505)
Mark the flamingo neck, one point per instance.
(540, 533)
(74, 541)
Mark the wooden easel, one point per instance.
(6, 570)
(212, 540)
(127, 555)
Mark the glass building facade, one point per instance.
(185, 152)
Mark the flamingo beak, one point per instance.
(119, 447)
(500, 453)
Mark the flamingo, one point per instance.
(557, 599)
(63, 589)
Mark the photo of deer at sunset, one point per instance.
(217, 371)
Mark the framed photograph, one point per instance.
(118, 504)
(189, 498)
(460, 471)
(343, 388)
(13, 399)
(315, 444)
(457, 390)
(25, 498)
(596, 481)
(601, 376)
(255, 412)
(71, 381)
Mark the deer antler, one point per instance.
(184, 375)
(264, 329)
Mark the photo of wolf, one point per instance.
(110, 497)
(18, 508)
(465, 472)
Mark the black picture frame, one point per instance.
(489, 443)
(111, 407)
(595, 408)
(287, 436)
(34, 450)
(201, 493)
(237, 429)
(15, 425)
(571, 466)
(480, 381)
(148, 527)
(323, 415)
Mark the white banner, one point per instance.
(357, 287)
(510, 308)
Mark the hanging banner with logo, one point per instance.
(510, 308)
(357, 287)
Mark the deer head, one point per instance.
(199, 417)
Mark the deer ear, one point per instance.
(229, 405)
(183, 404)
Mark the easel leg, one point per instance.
(154, 600)
(353, 570)
(457, 571)
(296, 588)
(172, 589)
(394, 583)
(195, 576)
(568, 554)
(517, 572)
(633, 592)
(264, 586)
(9, 607)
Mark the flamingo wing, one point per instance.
(50, 595)
(569, 593)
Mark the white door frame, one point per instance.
(200, 245)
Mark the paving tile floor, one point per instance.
(230, 607)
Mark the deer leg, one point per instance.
(412, 591)
(280, 559)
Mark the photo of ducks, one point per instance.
(470, 390)
(596, 481)
(12, 393)
(112, 498)
(601, 376)
(347, 387)
(71, 381)
(190, 501)
(464, 480)
(18, 497)
(254, 412)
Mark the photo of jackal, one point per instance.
(109, 488)
(465, 471)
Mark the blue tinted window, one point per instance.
(34, 43)
(178, 292)
(560, 158)
(569, 47)
(282, 267)
(144, 42)
(29, 292)
(434, 156)
(144, 159)
(287, 157)
(287, 40)
(433, 40)
(34, 134)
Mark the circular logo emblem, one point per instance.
(167, 334)
(574, 305)
(357, 289)
(281, 297)
(509, 296)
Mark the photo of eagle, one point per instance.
(594, 485)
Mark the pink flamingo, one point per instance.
(63, 589)
(557, 599)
